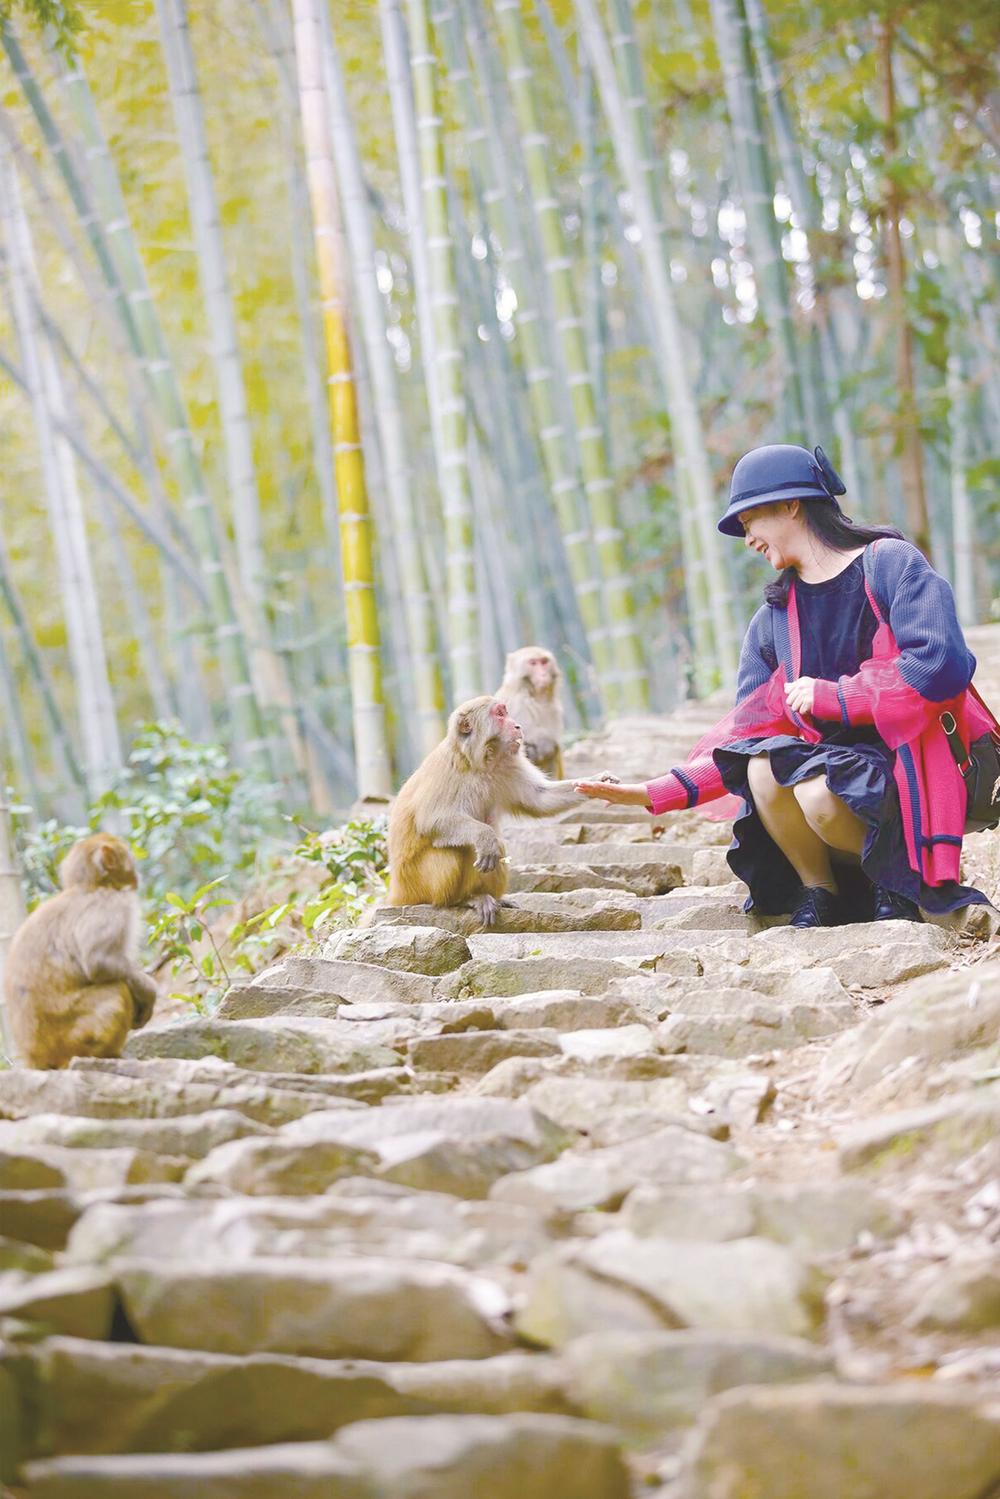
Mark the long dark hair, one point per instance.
(826, 520)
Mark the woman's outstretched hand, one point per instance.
(621, 793)
(799, 694)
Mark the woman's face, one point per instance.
(775, 531)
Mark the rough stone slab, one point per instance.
(523, 913)
(582, 1180)
(342, 1307)
(958, 1125)
(357, 1215)
(648, 945)
(83, 1169)
(500, 977)
(558, 876)
(930, 1020)
(961, 1297)
(831, 1441)
(509, 1457)
(593, 1104)
(28, 1171)
(25, 1258)
(192, 1136)
(299, 1470)
(46, 1218)
(740, 1025)
(810, 1219)
(75, 1301)
(107, 1095)
(622, 1041)
(472, 1053)
(345, 1088)
(648, 1384)
(304, 1046)
(617, 1282)
(598, 854)
(870, 954)
(414, 949)
(352, 981)
(166, 1398)
(459, 1145)
(264, 1168)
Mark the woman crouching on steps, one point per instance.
(853, 803)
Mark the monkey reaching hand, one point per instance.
(530, 690)
(443, 845)
(72, 983)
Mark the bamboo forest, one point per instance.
(347, 347)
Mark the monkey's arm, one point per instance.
(115, 967)
(539, 797)
(455, 830)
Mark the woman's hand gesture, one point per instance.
(799, 694)
(620, 793)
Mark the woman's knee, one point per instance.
(819, 805)
(760, 778)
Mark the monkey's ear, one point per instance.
(464, 726)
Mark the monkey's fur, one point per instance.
(72, 983)
(443, 845)
(530, 689)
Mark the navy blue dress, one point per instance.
(837, 627)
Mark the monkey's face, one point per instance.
(484, 731)
(540, 672)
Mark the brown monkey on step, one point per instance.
(530, 689)
(443, 845)
(72, 983)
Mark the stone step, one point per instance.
(220, 1401)
(296, 1045)
(916, 1440)
(459, 1145)
(557, 876)
(616, 1282)
(111, 1095)
(356, 1215)
(524, 850)
(322, 976)
(521, 913)
(510, 976)
(518, 1456)
(190, 1136)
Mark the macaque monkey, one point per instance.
(530, 689)
(443, 845)
(72, 983)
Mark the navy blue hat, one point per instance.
(781, 471)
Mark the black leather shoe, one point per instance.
(816, 907)
(892, 907)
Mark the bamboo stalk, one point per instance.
(244, 496)
(907, 417)
(109, 226)
(710, 599)
(626, 685)
(444, 343)
(363, 645)
(65, 750)
(753, 171)
(95, 706)
(421, 655)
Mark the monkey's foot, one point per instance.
(486, 908)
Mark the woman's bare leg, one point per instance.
(779, 810)
(829, 818)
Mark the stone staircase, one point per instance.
(624, 1197)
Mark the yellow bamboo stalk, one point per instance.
(356, 560)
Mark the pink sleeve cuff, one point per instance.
(666, 794)
(826, 702)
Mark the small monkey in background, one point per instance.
(530, 689)
(443, 845)
(72, 982)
